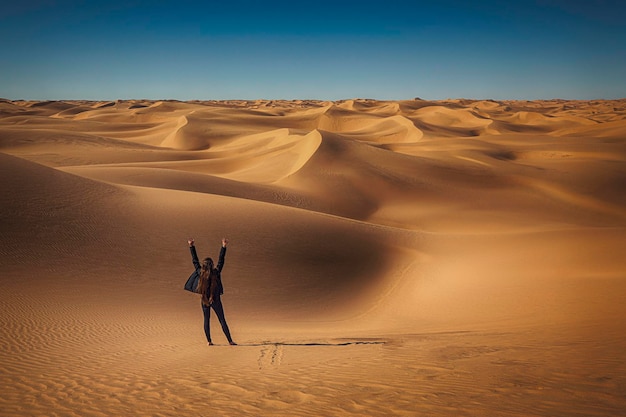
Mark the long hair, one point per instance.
(206, 275)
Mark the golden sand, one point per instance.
(449, 258)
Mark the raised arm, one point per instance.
(194, 255)
(220, 261)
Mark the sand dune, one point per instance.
(457, 257)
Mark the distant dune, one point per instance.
(415, 257)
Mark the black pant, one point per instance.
(219, 310)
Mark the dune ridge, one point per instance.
(453, 257)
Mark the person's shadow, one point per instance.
(346, 343)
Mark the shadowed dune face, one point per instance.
(73, 229)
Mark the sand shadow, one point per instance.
(346, 343)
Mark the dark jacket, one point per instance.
(216, 287)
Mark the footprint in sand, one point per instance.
(271, 355)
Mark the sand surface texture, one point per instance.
(407, 258)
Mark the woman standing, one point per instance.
(210, 287)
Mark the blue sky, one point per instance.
(327, 50)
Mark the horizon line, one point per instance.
(306, 99)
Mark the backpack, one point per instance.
(192, 282)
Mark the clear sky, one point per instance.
(314, 49)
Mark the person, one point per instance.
(210, 287)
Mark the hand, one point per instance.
(210, 300)
(190, 241)
(224, 242)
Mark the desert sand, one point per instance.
(386, 258)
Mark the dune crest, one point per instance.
(178, 139)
